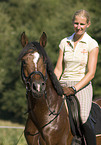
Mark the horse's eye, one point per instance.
(43, 84)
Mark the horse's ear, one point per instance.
(24, 39)
(43, 39)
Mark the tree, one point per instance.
(34, 17)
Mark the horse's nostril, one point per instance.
(34, 88)
(38, 87)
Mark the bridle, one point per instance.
(29, 83)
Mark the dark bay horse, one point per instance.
(47, 122)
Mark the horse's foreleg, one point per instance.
(29, 132)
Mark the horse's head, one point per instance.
(33, 69)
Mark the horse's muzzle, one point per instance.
(38, 88)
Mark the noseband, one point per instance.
(28, 82)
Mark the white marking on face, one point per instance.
(36, 58)
(38, 88)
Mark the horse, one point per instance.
(48, 120)
(98, 101)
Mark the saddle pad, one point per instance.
(96, 118)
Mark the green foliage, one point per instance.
(34, 17)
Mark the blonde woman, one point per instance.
(79, 53)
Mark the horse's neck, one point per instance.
(49, 87)
(51, 92)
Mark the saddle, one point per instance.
(95, 116)
(75, 120)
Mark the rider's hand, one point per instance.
(69, 91)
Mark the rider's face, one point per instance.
(80, 25)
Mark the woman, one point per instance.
(79, 54)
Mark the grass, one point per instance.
(9, 136)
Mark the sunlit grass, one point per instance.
(9, 136)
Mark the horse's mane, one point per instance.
(50, 70)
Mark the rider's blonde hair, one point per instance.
(82, 13)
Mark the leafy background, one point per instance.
(35, 16)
